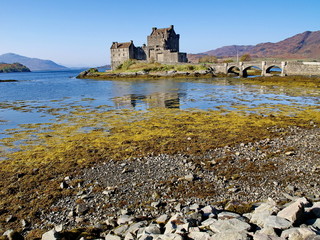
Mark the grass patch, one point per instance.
(287, 81)
(136, 66)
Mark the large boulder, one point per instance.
(277, 222)
(293, 212)
(265, 210)
(230, 225)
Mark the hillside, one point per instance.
(15, 67)
(229, 51)
(305, 45)
(34, 64)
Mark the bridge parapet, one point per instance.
(302, 68)
(265, 66)
(287, 67)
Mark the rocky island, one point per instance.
(159, 58)
(138, 70)
(15, 67)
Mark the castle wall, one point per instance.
(166, 56)
(172, 42)
(182, 57)
(120, 55)
(153, 54)
(170, 57)
(140, 54)
(156, 41)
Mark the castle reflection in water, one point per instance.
(154, 100)
(134, 95)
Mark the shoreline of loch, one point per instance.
(95, 74)
(139, 200)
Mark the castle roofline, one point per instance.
(161, 30)
(116, 45)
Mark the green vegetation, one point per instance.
(245, 58)
(136, 66)
(289, 81)
(15, 67)
(228, 61)
(125, 65)
(208, 59)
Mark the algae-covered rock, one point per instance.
(87, 73)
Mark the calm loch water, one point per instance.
(28, 100)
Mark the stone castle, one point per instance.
(162, 46)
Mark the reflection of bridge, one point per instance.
(286, 68)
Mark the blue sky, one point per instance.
(80, 33)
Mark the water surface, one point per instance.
(38, 97)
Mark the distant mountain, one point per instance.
(304, 45)
(15, 67)
(34, 64)
(105, 66)
(230, 51)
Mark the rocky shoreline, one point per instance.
(95, 74)
(298, 219)
(132, 194)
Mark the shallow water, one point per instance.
(39, 97)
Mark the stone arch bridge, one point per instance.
(286, 68)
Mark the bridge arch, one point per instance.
(251, 71)
(274, 70)
(233, 70)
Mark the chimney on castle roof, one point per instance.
(171, 26)
(154, 28)
(131, 41)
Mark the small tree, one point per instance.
(227, 61)
(245, 57)
(208, 59)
